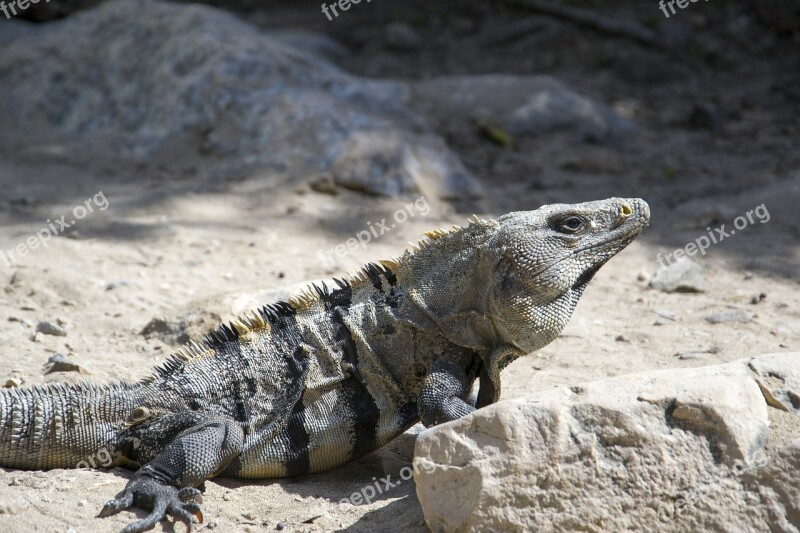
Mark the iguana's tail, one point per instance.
(60, 425)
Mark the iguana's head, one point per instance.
(545, 259)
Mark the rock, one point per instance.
(672, 450)
(684, 275)
(488, 96)
(552, 110)
(49, 328)
(11, 383)
(157, 326)
(779, 379)
(14, 29)
(23, 321)
(757, 299)
(697, 354)
(324, 183)
(194, 80)
(401, 36)
(311, 42)
(520, 105)
(664, 313)
(376, 164)
(59, 363)
(730, 315)
(386, 164)
(192, 322)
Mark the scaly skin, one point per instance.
(335, 373)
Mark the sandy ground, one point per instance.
(167, 243)
(151, 254)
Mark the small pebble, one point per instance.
(730, 315)
(49, 328)
(323, 183)
(684, 275)
(59, 363)
(663, 313)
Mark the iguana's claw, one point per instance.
(190, 494)
(158, 498)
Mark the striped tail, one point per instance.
(60, 425)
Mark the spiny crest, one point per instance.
(367, 272)
(435, 235)
(215, 339)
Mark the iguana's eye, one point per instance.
(571, 224)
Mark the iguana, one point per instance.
(335, 372)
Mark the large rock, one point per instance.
(554, 110)
(160, 83)
(674, 450)
(524, 105)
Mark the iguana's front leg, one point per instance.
(445, 388)
(178, 453)
(500, 358)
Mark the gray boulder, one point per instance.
(161, 83)
(554, 110)
(674, 450)
(524, 105)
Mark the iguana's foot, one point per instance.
(161, 500)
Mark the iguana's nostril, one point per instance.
(625, 211)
